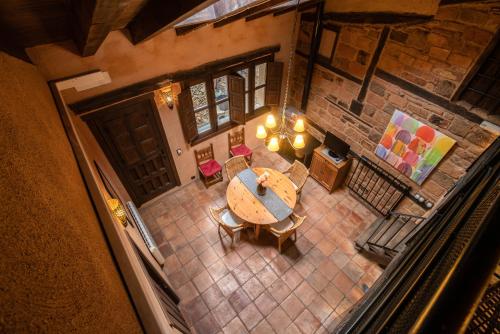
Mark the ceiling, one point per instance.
(26, 23)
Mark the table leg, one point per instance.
(257, 231)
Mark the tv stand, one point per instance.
(324, 169)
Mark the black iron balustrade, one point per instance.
(376, 187)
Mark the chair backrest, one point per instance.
(204, 154)
(236, 138)
(235, 165)
(297, 220)
(215, 214)
(298, 174)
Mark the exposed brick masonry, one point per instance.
(436, 56)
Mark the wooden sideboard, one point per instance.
(328, 173)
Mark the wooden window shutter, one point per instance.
(186, 114)
(273, 83)
(236, 89)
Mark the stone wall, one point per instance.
(435, 56)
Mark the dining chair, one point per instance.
(298, 174)
(228, 221)
(210, 170)
(286, 228)
(235, 165)
(236, 145)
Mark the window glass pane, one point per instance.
(203, 120)
(244, 74)
(259, 97)
(260, 74)
(220, 88)
(199, 95)
(247, 103)
(222, 112)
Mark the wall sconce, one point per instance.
(118, 210)
(167, 96)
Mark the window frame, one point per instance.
(208, 79)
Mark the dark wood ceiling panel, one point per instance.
(157, 15)
(92, 22)
(128, 10)
(28, 22)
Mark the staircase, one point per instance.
(387, 237)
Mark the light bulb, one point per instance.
(261, 132)
(273, 145)
(299, 142)
(270, 121)
(299, 125)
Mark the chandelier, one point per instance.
(277, 133)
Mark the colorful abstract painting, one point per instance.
(412, 147)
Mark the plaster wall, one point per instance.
(57, 273)
(164, 53)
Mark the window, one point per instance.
(221, 100)
(225, 98)
(483, 89)
(260, 85)
(200, 107)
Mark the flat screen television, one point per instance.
(337, 147)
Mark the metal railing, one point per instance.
(376, 187)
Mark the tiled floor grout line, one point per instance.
(324, 270)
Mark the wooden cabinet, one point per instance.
(328, 173)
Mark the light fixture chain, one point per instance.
(293, 45)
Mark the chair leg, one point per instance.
(279, 245)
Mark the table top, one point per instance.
(246, 206)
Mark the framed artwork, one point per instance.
(412, 147)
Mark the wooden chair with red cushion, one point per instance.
(236, 142)
(210, 170)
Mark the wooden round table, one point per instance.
(245, 205)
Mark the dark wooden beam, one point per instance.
(157, 15)
(377, 18)
(332, 68)
(152, 84)
(313, 51)
(454, 2)
(479, 62)
(248, 11)
(373, 63)
(282, 10)
(182, 30)
(92, 22)
(303, 6)
(426, 95)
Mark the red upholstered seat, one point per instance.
(241, 150)
(210, 168)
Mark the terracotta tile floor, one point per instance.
(250, 288)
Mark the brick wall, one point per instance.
(435, 56)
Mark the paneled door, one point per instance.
(131, 135)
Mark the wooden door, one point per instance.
(132, 137)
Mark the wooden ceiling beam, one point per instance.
(246, 12)
(158, 15)
(92, 22)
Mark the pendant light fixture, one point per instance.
(276, 133)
